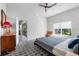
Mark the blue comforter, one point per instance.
(48, 43)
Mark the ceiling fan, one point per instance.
(46, 5)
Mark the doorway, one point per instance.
(22, 30)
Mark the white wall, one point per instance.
(33, 15)
(36, 26)
(2, 6)
(71, 15)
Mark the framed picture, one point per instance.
(3, 18)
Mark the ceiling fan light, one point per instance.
(47, 5)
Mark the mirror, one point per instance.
(3, 18)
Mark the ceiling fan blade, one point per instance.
(52, 5)
(41, 5)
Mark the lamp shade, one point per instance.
(8, 24)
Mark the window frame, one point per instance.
(61, 28)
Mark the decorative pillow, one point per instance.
(76, 49)
(73, 43)
(77, 36)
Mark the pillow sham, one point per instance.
(73, 43)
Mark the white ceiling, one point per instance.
(26, 8)
(61, 7)
(23, 10)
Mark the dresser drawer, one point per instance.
(8, 43)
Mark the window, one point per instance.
(63, 28)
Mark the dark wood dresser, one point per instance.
(8, 43)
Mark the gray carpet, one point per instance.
(27, 48)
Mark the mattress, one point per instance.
(48, 43)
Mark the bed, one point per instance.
(48, 43)
(57, 45)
